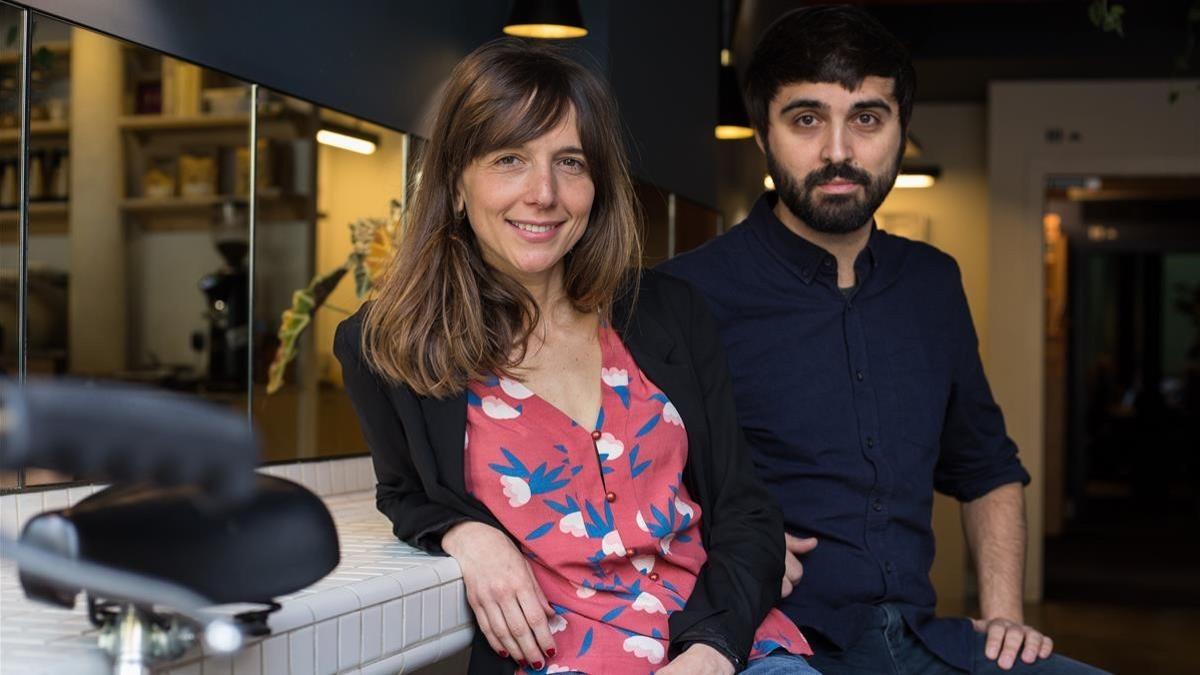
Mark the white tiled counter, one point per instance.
(386, 608)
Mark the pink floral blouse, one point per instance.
(603, 515)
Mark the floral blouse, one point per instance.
(610, 530)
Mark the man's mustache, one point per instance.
(832, 172)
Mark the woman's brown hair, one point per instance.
(443, 316)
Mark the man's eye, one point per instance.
(867, 118)
(806, 120)
(507, 160)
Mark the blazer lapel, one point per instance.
(658, 355)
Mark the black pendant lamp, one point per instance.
(732, 121)
(545, 19)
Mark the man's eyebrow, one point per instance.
(803, 103)
(871, 104)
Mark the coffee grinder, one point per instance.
(227, 292)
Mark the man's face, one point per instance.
(834, 153)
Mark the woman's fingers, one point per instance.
(499, 626)
(522, 633)
(541, 597)
(538, 621)
(485, 627)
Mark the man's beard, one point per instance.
(833, 213)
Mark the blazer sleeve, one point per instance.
(399, 493)
(740, 582)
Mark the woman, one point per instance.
(568, 439)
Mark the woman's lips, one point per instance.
(534, 230)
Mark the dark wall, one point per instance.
(384, 60)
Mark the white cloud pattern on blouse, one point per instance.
(649, 604)
(671, 415)
(515, 389)
(516, 489)
(644, 647)
(614, 377)
(609, 447)
(612, 544)
(572, 524)
(497, 409)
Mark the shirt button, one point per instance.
(828, 262)
(654, 576)
(859, 375)
(596, 435)
(877, 506)
(889, 567)
(610, 497)
(870, 442)
(628, 553)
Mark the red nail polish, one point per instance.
(521, 662)
(537, 665)
(503, 654)
(551, 652)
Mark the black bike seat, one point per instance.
(278, 542)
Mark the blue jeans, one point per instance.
(890, 648)
(780, 662)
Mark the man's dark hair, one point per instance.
(839, 44)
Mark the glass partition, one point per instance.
(11, 68)
(138, 207)
(317, 263)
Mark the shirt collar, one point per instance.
(805, 258)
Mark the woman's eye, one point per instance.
(574, 163)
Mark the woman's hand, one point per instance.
(508, 604)
(698, 659)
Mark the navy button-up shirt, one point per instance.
(857, 406)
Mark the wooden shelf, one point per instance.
(175, 204)
(45, 218)
(37, 128)
(160, 204)
(13, 56)
(37, 210)
(181, 122)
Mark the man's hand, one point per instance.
(698, 659)
(793, 569)
(1005, 639)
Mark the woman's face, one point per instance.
(529, 205)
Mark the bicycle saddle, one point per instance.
(279, 541)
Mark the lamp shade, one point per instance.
(732, 121)
(545, 19)
(917, 176)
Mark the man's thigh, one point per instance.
(870, 655)
(1057, 664)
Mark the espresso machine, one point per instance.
(227, 294)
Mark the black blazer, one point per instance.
(417, 447)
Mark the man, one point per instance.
(857, 373)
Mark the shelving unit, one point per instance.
(39, 128)
(57, 47)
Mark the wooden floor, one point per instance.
(1133, 640)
